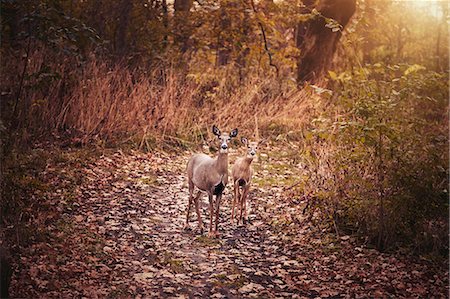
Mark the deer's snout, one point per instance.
(252, 153)
(224, 146)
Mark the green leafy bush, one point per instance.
(378, 157)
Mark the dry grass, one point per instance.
(99, 101)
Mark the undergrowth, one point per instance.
(369, 152)
(29, 191)
(375, 163)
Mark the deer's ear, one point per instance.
(215, 130)
(244, 140)
(234, 133)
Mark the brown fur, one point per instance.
(209, 175)
(241, 173)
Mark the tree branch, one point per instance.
(266, 46)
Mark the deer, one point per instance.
(209, 175)
(242, 175)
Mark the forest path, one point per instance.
(142, 217)
(122, 236)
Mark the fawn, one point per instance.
(242, 176)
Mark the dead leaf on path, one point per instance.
(144, 276)
(251, 287)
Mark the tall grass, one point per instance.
(98, 100)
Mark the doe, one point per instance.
(209, 175)
(242, 176)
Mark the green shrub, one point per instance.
(378, 158)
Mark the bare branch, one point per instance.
(266, 47)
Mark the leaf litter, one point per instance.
(121, 236)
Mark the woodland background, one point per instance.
(355, 93)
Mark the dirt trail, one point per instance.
(121, 236)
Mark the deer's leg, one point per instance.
(197, 208)
(211, 211)
(218, 199)
(235, 199)
(244, 199)
(191, 191)
(242, 203)
(238, 203)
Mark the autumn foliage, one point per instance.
(352, 97)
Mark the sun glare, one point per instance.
(429, 7)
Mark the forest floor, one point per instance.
(112, 226)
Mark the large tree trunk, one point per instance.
(316, 42)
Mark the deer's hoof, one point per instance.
(201, 229)
(186, 227)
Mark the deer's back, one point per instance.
(197, 163)
(202, 173)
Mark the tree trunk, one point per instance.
(165, 19)
(10, 22)
(182, 24)
(400, 41)
(5, 272)
(124, 10)
(224, 41)
(443, 22)
(369, 43)
(316, 42)
(381, 193)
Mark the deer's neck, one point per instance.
(248, 160)
(222, 163)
